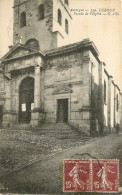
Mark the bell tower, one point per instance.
(42, 24)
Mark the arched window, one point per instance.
(59, 17)
(66, 26)
(41, 12)
(104, 91)
(66, 2)
(23, 19)
(33, 44)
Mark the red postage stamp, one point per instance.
(105, 175)
(76, 176)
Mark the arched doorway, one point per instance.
(26, 99)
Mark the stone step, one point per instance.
(73, 139)
(68, 136)
(54, 127)
(20, 127)
(62, 131)
(58, 130)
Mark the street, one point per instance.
(46, 175)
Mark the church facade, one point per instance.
(42, 81)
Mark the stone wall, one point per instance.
(68, 76)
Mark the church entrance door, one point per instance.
(62, 110)
(26, 100)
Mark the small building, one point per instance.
(42, 81)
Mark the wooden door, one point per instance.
(62, 110)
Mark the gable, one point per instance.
(17, 51)
(62, 90)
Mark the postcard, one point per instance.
(60, 97)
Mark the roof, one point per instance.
(85, 44)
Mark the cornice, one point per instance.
(20, 57)
(67, 10)
(85, 44)
(64, 84)
(106, 73)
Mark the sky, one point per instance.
(104, 30)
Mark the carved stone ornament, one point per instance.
(62, 90)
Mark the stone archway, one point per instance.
(26, 99)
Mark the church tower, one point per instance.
(42, 24)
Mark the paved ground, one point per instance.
(21, 147)
(46, 175)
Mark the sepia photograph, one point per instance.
(61, 97)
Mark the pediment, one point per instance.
(17, 51)
(62, 90)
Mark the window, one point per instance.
(117, 103)
(33, 44)
(59, 17)
(23, 19)
(104, 91)
(41, 12)
(66, 26)
(66, 2)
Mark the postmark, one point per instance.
(76, 176)
(105, 175)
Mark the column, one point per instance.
(86, 92)
(37, 88)
(7, 107)
(36, 113)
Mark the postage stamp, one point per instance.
(76, 175)
(105, 175)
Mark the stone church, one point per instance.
(43, 81)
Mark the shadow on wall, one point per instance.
(96, 112)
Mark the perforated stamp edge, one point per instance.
(90, 177)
